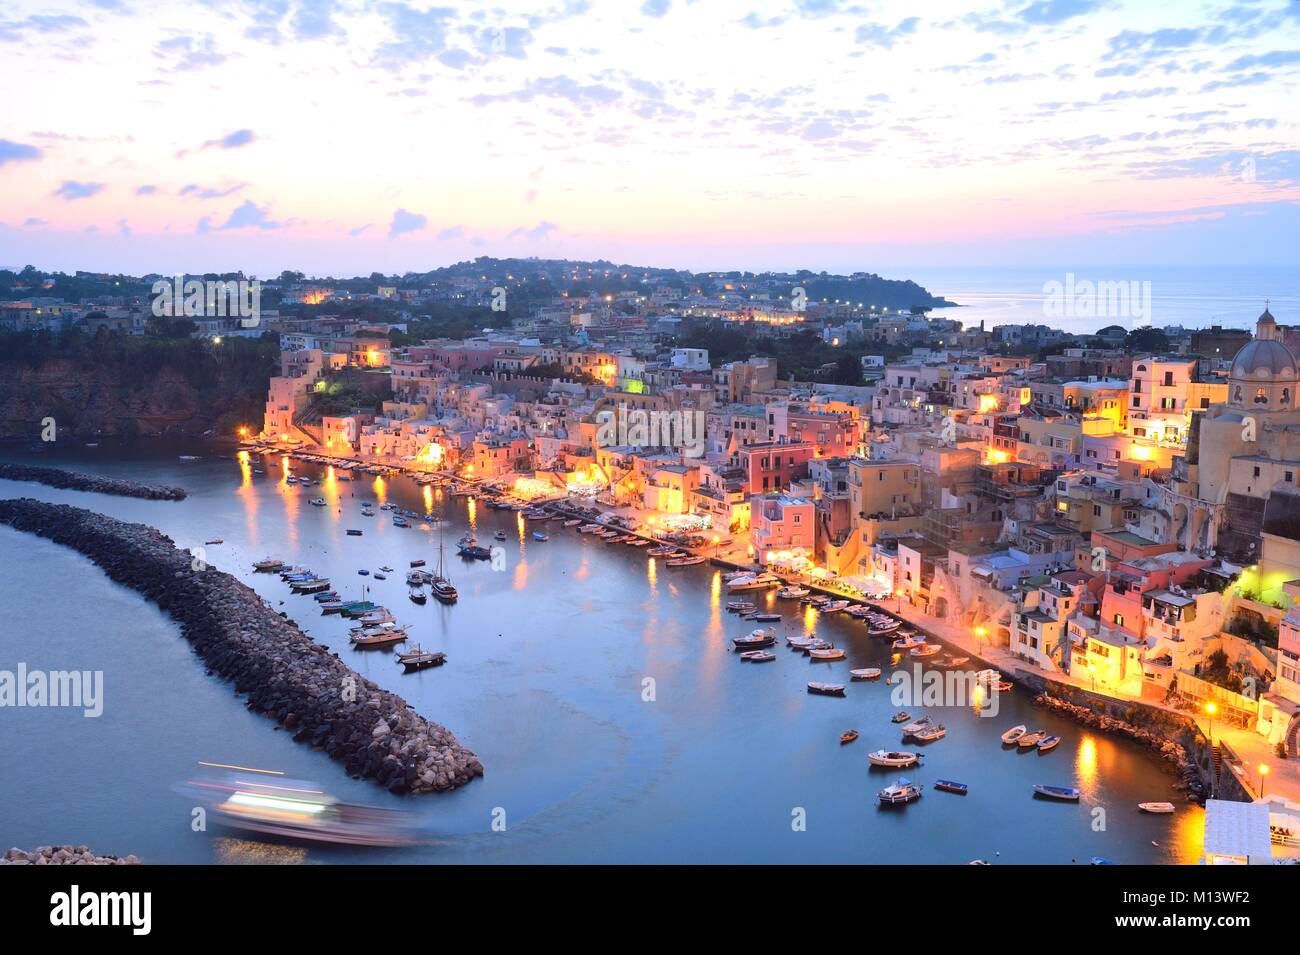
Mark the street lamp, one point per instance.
(1263, 774)
(1092, 670)
(1211, 709)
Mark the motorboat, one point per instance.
(765, 617)
(830, 653)
(756, 640)
(1062, 793)
(930, 733)
(685, 561)
(417, 658)
(925, 650)
(539, 537)
(740, 606)
(399, 521)
(318, 502)
(899, 793)
(758, 656)
(892, 759)
(908, 642)
(1012, 735)
(381, 636)
(1048, 743)
(826, 689)
(833, 606)
(1160, 808)
(792, 592)
(418, 596)
(865, 673)
(751, 582)
(848, 736)
(268, 565)
(417, 563)
(902, 716)
(418, 578)
(798, 641)
(917, 725)
(950, 786)
(884, 629)
(379, 576)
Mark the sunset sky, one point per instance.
(349, 137)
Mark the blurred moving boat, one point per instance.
(297, 810)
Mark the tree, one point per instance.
(1151, 340)
(848, 371)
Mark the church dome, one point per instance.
(1265, 358)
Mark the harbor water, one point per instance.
(596, 685)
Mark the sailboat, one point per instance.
(440, 585)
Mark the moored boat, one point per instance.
(930, 733)
(826, 689)
(899, 793)
(848, 736)
(1031, 740)
(865, 673)
(826, 654)
(949, 786)
(925, 650)
(1048, 743)
(268, 565)
(1014, 734)
(892, 759)
(417, 658)
(1062, 793)
(685, 561)
(758, 656)
(1160, 808)
(902, 716)
(833, 606)
(792, 592)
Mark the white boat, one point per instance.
(899, 793)
(917, 725)
(792, 592)
(826, 689)
(1031, 740)
(800, 642)
(883, 629)
(1013, 735)
(925, 650)
(907, 643)
(758, 656)
(866, 673)
(930, 733)
(834, 606)
(1156, 807)
(830, 653)
(752, 582)
(894, 760)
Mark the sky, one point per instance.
(348, 136)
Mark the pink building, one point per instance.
(772, 465)
(779, 523)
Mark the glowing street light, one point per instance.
(1263, 774)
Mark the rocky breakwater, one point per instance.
(284, 674)
(55, 477)
(62, 855)
(1156, 739)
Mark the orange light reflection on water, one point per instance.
(472, 506)
(652, 574)
(1085, 765)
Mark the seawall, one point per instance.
(56, 477)
(283, 673)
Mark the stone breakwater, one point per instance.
(55, 477)
(284, 674)
(1159, 742)
(63, 855)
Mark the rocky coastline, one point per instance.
(283, 672)
(1170, 750)
(56, 477)
(63, 855)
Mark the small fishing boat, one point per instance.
(1014, 734)
(1160, 808)
(353, 533)
(949, 786)
(331, 606)
(792, 592)
(418, 658)
(826, 689)
(758, 656)
(925, 650)
(765, 617)
(917, 725)
(417, 563)
(902, 716)
(833, 606)
(685, 561)
(1063, 793)
(215, 540)
(573, 522)
(884, 629)
(751, 581)
(892, 759)
(1048, 743)
(382, 636)
(798, 641)
(363, 572)
(930, 733)
(739, 606)
(418, 596)
(539, 536)
(386, 569)
(268, 565)
(1031, 740)
(866, 673)
(848, 736)
(312, 586)
(899, 793)
(638, 542)
(400, 521)
(756, 640)
(664, 551)
(318, 502)
(908, 642)
(827, 654)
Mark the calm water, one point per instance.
(546, 663)
(1192, 297)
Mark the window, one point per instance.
(1119, 620)
(1169, 379)
(1256, 470)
